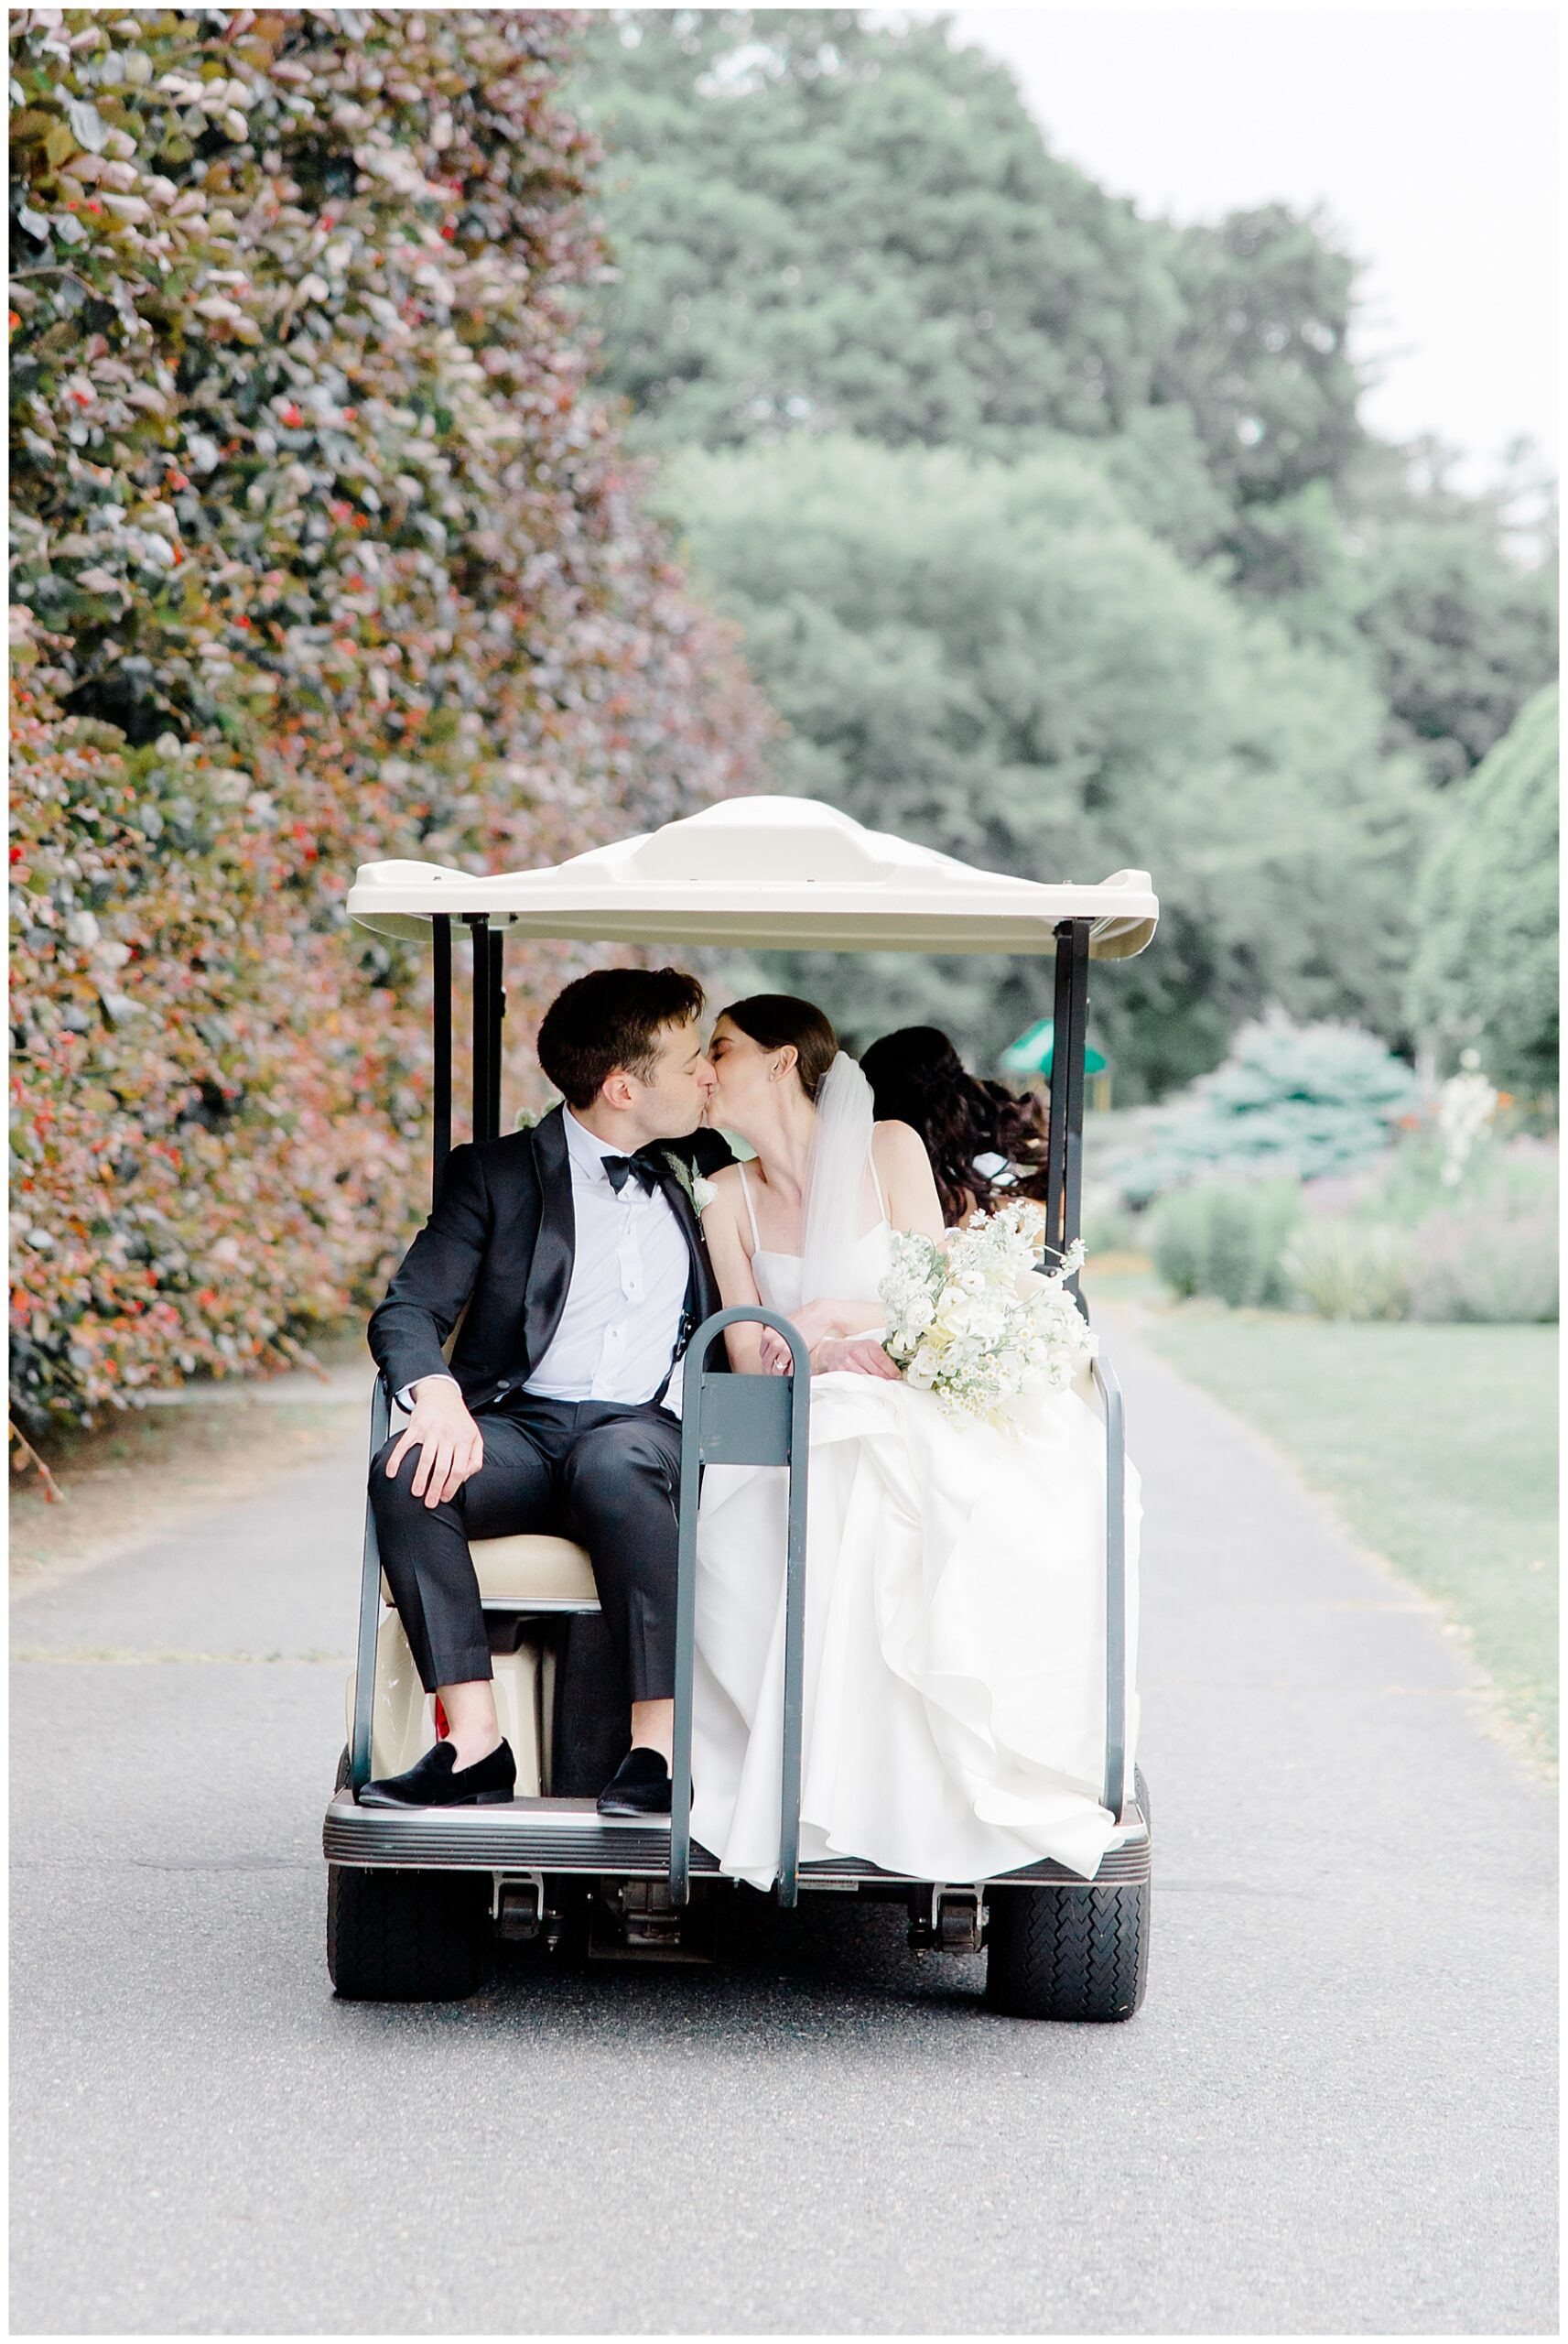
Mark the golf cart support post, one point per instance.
(756, 872)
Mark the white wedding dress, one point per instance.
(954, 1724)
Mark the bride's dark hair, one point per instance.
(777, 1021)
(918, 1078)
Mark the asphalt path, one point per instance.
(1335, 2113)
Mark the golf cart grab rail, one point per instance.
(729, 1419)
(1109, 1390)
(370, 1604)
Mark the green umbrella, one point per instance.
(1031, 1054)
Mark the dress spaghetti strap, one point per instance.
(751, 1207)
(876, 1183)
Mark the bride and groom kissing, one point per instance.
(943, 1734)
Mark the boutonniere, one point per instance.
(699, 1191)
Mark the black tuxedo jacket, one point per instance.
(499, 1244)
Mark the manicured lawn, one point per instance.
(1438, 1445)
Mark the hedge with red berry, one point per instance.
(323, 550)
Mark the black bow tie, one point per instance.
(619, 1169)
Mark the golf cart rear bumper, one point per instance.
(567, 1835)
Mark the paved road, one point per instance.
(1335, 2113)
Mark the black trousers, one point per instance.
(605, 1474)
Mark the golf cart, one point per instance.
(415, 1895)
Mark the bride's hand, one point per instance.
(812, 1323)
(854, 1356)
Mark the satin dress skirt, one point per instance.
(954, 1722)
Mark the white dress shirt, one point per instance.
(630, 1269)
(630, 1265)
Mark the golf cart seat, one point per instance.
(531, 1572)
(536, 1576)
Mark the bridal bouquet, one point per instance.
(974, 1321)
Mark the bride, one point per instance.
(954, 1585)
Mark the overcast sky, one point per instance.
(1427, 132)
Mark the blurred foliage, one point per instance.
(825, 222)
(1395, 1241)
(1485, 973)
(328, 551)
(828, 225)
(998, 658)
(1345, 1268)
(1225, 1239)
(1312, 1102)
(1488, 1266)
(1259, 357)
(1463, 636)
(1486, 1246)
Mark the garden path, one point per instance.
(1334, 2113)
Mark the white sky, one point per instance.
(1428, 133)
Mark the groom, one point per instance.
(574, 1251)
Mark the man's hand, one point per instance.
(854, 1355)
(451, 1444)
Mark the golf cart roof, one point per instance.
(767, 872)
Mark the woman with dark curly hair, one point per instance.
(984, 1144)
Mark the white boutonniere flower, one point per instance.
(701, 1191)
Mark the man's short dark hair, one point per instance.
(610, 1020)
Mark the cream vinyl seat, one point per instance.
(531, 1569)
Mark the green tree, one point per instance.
(998, 660)
(1462, 633)
(1259, 355)
(821, 224)
(1485, 973)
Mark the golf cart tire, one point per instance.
(1069, 1953)
(404, 1936)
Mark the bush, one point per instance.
(1345, 1268)
(1108, 1227)
(324, 550)
(1489, 1252)
(1405, 1244)
(1312, 1102)
(1476, 1266)
(1225, 1239)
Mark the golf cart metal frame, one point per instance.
(1061, 1947)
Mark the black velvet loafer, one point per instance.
(639, 1785)
(438, 1781)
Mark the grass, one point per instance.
(1436, 1444)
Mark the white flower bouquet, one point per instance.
(975, 1321)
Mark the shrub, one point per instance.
(1474, 1265)
(1406, 1243)
(1490, 1253)
(1345, 1268)
(1312, 1102)
(1225, 1239)
(1108, 1227)
(1518, 1180)
(326, 551)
